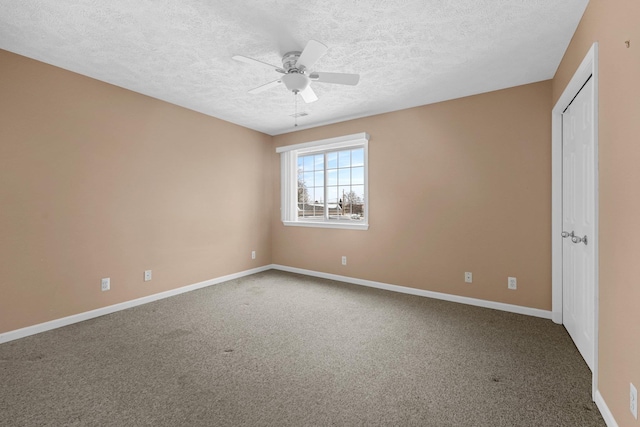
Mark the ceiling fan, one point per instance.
(297, 74)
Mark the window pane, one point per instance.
(319, 178)
(357, 157)
(344, 176)
(319, 162)
(303, 194)
(332, 177)
(300, 163)
(332, 160)
(344, 159)
(357, 176)
(343, 192)
(307, 178)
(332, 195)
(348, 201)
(318, 195)
(356, 202)
(308, 163)
(358, 191)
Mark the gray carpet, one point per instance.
(279, 349)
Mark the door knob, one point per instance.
(576, 239)
(566, 234)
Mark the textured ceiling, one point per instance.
(407, 52)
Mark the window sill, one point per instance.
(319, 224)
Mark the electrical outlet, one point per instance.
(512, 283)
(147, 275)
(468, 277)
(105, 284)
(344, 260)
(253, 254)
(633, 400)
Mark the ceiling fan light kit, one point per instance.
(296, 67)
(295, 82)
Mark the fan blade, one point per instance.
(339, 78)
(311, 53)
(248, 60)
(308, 95)
(265, 87)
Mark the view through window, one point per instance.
(331, 185)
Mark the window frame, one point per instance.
(289, 184)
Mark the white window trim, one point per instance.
(288, 179)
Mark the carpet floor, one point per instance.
(280, 349)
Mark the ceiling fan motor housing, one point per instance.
(290, 59)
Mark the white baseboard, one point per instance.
(58, 323)
(535, 312)
(604, 410)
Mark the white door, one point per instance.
(578, 212)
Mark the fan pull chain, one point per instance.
(295, 115)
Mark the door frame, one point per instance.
(588, 67)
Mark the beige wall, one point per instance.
(611, 23)
(463, 185)
(97, 181)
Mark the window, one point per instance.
(324, 183)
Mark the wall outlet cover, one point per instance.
(512, 283)
(468, 277)
(147, 275)
(105, 284)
